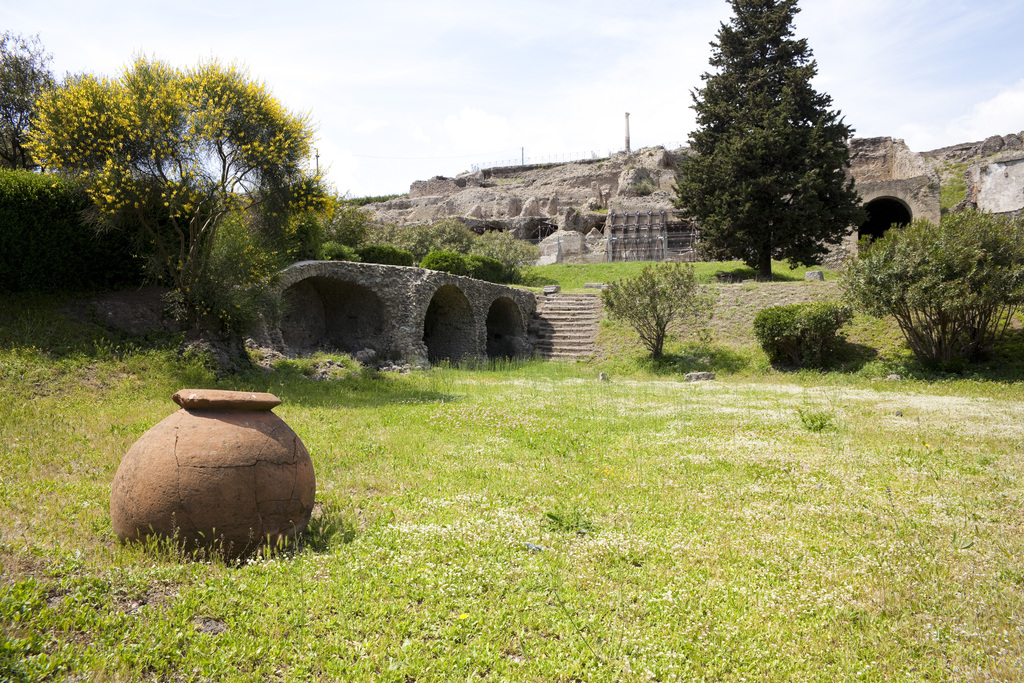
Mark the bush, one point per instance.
(237, 286)
(348, 225)
(444, 235)
(332, 251)
(45, 246)
(511, 252)
(803, 335)
(660, 298)
(445, 261)
(952, 288)
(483, 268)
(385, 254)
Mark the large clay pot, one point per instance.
(223, 473)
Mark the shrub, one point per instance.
(332, 251)
(45, 246)
(644, 187)
(803, 335)
(511, 252)
(385, 254)
(236, 288)
(444, 235)
(952, 288)
(483, 268)
(347, 224)
(660, 298)
(446, 261)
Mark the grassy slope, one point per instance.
(689, 531)
(573, 277)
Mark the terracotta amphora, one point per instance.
(224, 473)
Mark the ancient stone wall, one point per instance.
(997, 186)
(413, 314)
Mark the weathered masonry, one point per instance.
(895, 185)
(399, 312)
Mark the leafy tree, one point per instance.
(172, 153)
(952, 288)
(24, 76)
(447, 234)
(657, 300)
(768, 178)
(511, 252)
(348, 224)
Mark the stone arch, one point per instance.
(506, 330)
(883, 213)
(333, 313)
(449, 330)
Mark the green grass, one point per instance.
(953, 188)
(526, 522)
(572, 277)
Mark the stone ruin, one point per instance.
(535, 201)
(620, 208)
(993, 171)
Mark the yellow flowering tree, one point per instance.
(173, 152)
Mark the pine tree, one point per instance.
(768, 177)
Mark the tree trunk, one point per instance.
(764, 265)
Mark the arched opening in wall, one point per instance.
(448, 329)
(506, 333)
(883, 213)
(335, 314)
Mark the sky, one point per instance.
(405, 90)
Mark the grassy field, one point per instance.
(573, 277)
(525, 522)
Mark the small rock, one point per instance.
(552, 289)
(815, 275)
(699, 376)
(893, 377)
(593, 285)
(366, 356)
(534, 548)
(899, 413)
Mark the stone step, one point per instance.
(565, 326)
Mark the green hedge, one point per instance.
(386, 255)
(446, 261)
(485, 268)
(46, 247)
(333, 251)
(803, 335)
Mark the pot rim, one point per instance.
(217, 399)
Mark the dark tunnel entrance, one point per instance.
(448, 329)
(337, 314)
(506, 333)
(883, 213)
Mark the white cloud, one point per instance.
(474, 131)
(369, 126)
(999, 115)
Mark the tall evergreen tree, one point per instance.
(768, 179)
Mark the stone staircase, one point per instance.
(565, 326)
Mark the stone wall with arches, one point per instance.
(896, 186)
(400, 313)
